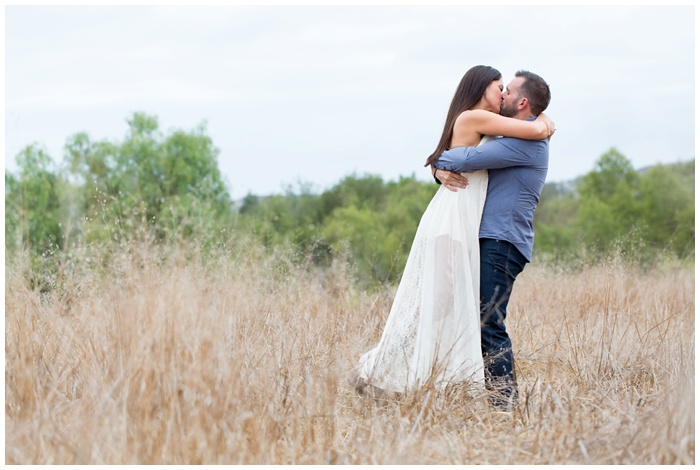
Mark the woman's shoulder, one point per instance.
(467, 127)
(472, 116)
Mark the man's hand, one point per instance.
(451, 180)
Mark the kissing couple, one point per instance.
(447, 321)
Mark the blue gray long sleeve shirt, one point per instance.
(517, 170)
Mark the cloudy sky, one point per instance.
(314, 93)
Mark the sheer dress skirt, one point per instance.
(432, 334)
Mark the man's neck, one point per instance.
(524, 115)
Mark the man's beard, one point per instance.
(509, 111)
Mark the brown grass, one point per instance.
(158, 357)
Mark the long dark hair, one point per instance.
(468, 94)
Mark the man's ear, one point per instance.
(523, 103)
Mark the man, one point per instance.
(517, 171)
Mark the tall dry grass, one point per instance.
(157, 355)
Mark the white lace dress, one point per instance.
(433, 330)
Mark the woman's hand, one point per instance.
(451, 180)
(548, 122)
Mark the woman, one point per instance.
(432, 335)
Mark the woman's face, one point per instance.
(492, 96)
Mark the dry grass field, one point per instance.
(161, 357)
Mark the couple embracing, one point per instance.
(446, 324)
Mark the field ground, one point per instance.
(156, 358)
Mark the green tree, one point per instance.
(358, 232)
(668, 207)
(366, 191)
(554, 220)
(377, 225)
(609, 211)
(171, 183)
(32, 203)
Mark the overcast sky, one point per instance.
(314, 93)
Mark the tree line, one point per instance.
(169, 187)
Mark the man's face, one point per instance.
(511, 97)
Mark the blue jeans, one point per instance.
(501, 262)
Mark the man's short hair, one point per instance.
(536, 90)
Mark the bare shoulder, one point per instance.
(466, 126)
(472, 116)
